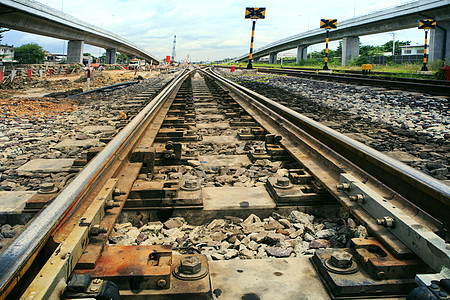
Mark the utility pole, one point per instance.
(173, 49)
(393, 43)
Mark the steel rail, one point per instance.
(433, 89)
(112, 87)
(431, 195)
(353, 73)
(18, 256)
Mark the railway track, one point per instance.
(207, 152)
(433, 87)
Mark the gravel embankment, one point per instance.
(32, 128)
(234, 238)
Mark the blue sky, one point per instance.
(208, 30)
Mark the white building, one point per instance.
(7, 53)
(412, 50)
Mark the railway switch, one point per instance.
(366, 267)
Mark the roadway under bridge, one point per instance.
(33, 17)
(400, 17)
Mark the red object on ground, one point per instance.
(167, 59)
(51, 72)
(29, 75)
(447, 72)
(67, 72)
(233, 68)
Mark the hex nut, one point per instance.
(283, 181)
(341, 259)
(190, 184)
(190, 265)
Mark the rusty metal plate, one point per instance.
(134, 267)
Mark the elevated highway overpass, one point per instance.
(400, 17)
(34, 17)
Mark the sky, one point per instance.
(208, 30)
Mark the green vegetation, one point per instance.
(316, 60)
(30, 53)
(1, 31)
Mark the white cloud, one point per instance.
(207, 29)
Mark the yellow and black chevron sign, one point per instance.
(255, 12)
(427, 24)
(328, 23)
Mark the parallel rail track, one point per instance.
(433, 87)
(402, 208)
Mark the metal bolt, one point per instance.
(283, 181)
(109, 204)
(434, 286)
(96, 230)
(341, 259)
(97, 281)
(190, 265)
(47, 188)
(360, 198)
(190, 184)
(343, 186)
(190, 152)
(381, 275)
(386, 221)
(442, 294)
(118, 192)
(161, 283)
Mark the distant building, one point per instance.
(412, 50)
(56, 58)
(7, 53)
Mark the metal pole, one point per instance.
(249, 66)
(424, 68)
(393, 44)
(88, 80)
(326, 52)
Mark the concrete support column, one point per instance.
(302, 53)
(273, 58)
(111, 56)
(75, 52)
(350, 48)
(440, 42)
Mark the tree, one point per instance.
(1, 31)
(121, 58)
(387, 47)
(30, 53)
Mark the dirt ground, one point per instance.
(39, 87)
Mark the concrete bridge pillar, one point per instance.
(111, 56)
(302, 53)
(440, 42)
(350, 48)
(75, 52)
(273, 58)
